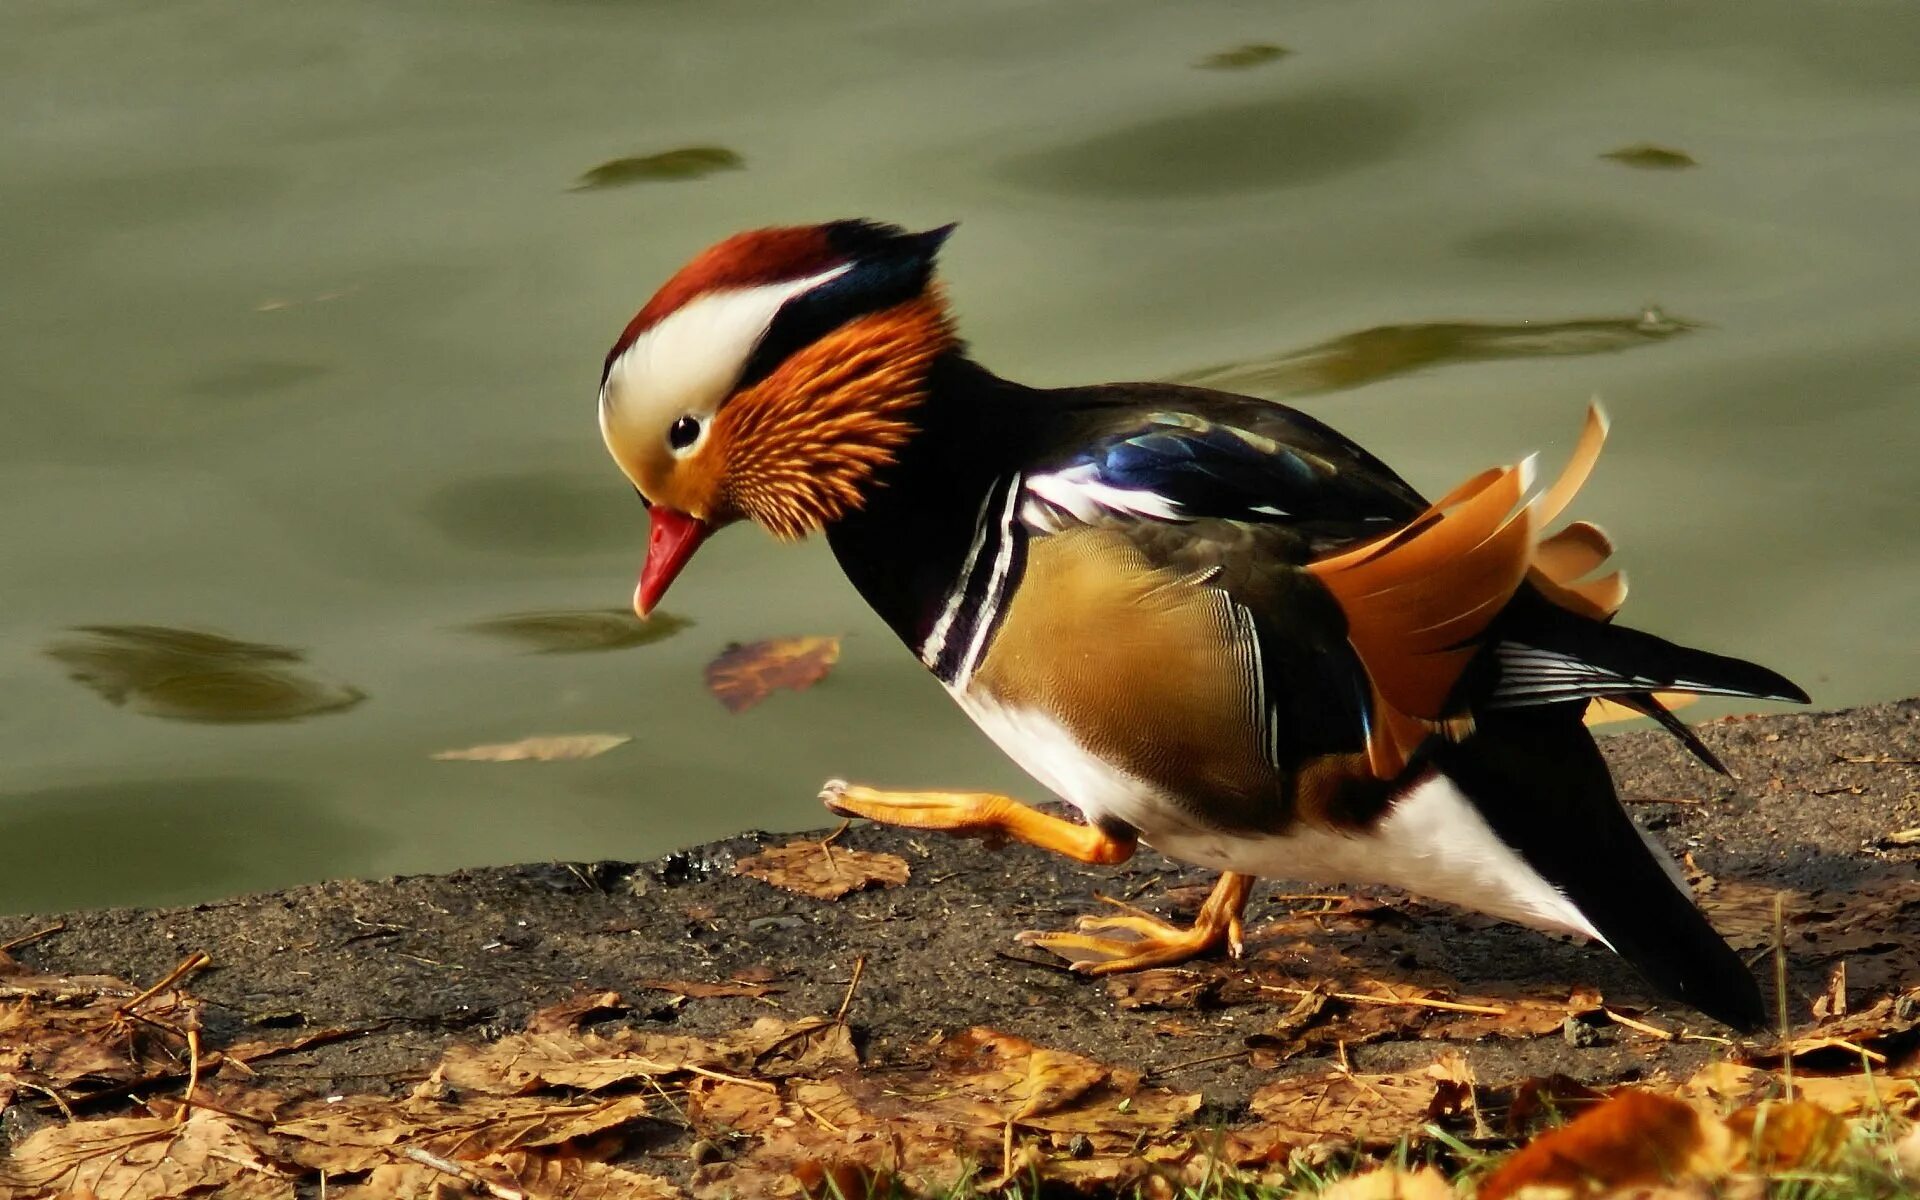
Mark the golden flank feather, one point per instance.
(800, 446)
(1418, 600)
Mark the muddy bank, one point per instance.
(418, 961)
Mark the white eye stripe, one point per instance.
(692, 359)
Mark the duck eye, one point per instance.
(683, 432)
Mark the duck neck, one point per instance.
(905, 547)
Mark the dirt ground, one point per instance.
(418, 961)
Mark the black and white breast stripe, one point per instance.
(991, 570)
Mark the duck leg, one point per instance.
(1144, 941)
(993, 818)
(1149, 942)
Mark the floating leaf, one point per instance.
(823, 871)
(743, 675)
(1387, 351)
(579, 631)
(1649, 157)
(1239, 58)
(187, 675)
(688, 162)
(554, 748)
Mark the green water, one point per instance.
(303, 314)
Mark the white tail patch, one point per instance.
(1433, 843)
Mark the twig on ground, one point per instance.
(1638, 1026)
(1411, 1001)
(1780, 990)
(27, 939)
(859, 967)
(758, 1085)
(194, 962)
(1228, 1056)
(465, 1175)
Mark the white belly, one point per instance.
(1433, 841)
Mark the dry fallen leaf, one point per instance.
(1637, 1138)
(145, 1158)
(1164, 988)
(744, 674)
(1370, 1110)
(526, 1062)
(554, 748)
(1392, 1183)
(1787, 1135)
(822, 871)
(360, 1133)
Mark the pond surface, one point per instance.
(305, 307)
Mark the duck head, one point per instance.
(769, 380)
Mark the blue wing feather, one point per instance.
(1211, 469)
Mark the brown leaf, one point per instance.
(145, 1158)
(984, 1078)
(1168, 988)
(1392, 1183)
(72, 1035)
(570, 1014)
(694, 989)
(722, 1106)
(552, 748)
(822, 871)
(1370, 1110)
(1525, 1017)
(526, 1062)
(743, 675)
(1788, 1135)
(360, 1133)
(1636, 1138)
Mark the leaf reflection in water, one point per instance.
(580, 631)
(1252, 54)
(187, 675)
(1385, 351)
(1649, 157)
(688, 162)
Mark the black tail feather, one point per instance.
(1647, 704)
(1537, 777)
(1545, 654)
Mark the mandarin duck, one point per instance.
(1208, 622)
